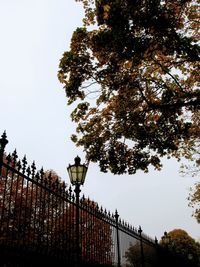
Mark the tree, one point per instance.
(133, 255)
(96, 234)
(183, 245)
(139, 60)
(38, 213)
(26, 215)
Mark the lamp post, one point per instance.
(118, 244)
(77, 173)
(168, 256)
(3, 143)
(166, 239)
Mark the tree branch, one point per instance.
(178, 104)
(167, 72)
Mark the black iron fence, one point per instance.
(38, 224)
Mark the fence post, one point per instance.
(141, 247)
(118, 243)
(3, 143)
(78, 247)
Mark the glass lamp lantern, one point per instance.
(77, 172)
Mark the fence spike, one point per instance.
(14, 157)
(28, 171)
(4, 136)
(88, 203)
(70, 191)
(8, 159)
(42, 172)
(19, 165)
(33, 169)
(24, 163)
(37, 176)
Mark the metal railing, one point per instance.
(38, 217)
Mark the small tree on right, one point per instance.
(180, 243)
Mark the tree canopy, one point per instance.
(132, 70)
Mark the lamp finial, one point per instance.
(77, 161)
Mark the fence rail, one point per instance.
(38, 223)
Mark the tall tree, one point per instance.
(134, 74)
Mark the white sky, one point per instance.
(33, 111)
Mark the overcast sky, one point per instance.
(33, 111)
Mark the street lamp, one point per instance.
(166, 239)
(77, 174)
(167, 253)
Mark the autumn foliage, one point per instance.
(133, 255)
(183, 245)
(135, 76)
(38, 213)
(194, 201)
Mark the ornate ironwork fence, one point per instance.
(37, 223)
